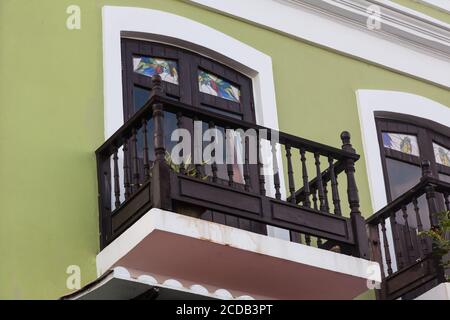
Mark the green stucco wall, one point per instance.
(51, 122)
(426, 9)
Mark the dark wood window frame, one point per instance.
(187, 91)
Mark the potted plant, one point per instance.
(440, 239)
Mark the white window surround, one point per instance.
(409, 42)
(370, 101)
(172, 29)
(179, 31)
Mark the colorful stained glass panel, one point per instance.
(401, 142)
(215, 86)
(148, 66)
(441, 154)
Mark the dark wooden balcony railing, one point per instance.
(134, 176)
(409, 268)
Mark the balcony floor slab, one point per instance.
(169, 245)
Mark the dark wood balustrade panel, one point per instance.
(325, 226)
(201, 190)
(417, 268)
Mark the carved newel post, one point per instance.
(430, 193)
(160, 184)
(358, 222)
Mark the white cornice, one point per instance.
(408, 41)
(399, 22)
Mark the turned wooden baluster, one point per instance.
(307, 192)
(276, 176)
(230, 171)
(145, 150)
(397, 244)
(246, 150)
(290, 174)
(319, 242)
(387, 253)
(135, 161)
(211, 125)
(325, 192)
(423, 248)
(430, 194)
(334, 188)
(116, 179)
(320, 189)
(447, 201)
(262, 180)
(408, 240)
(179, 126)
(198, 167)
(307, 239)
(126, 171)
(314, 198)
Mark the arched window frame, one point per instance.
(171, 29)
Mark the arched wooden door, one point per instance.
(195, 80)
(405, 142)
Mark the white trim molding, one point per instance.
(408, 41)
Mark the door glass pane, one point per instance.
(441, 154)
(444, 177)
(401, 142)
(216, 86)
(402, 176)
(148, 66)
(141, 96)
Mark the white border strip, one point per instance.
(328, 29)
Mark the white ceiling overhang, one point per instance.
(166, 245)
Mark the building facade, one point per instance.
(88, 192)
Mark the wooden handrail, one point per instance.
(407, 197)
(173, 106)
(127, 173)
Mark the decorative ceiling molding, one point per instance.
(397, 21)
(408, 41)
